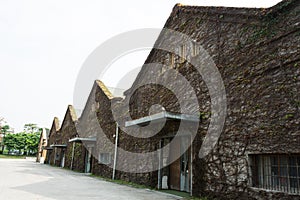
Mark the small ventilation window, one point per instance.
(182, 53)
(105, 158)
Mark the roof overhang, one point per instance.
(79, 139)
(59, 145)
(161, 116)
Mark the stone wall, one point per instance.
(68, 130)
(53, 138)
(257, 54)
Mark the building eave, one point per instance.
(163, 115)
(79, 139)
(59, 145)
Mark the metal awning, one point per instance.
(163, 115)
(59, 145)
(79, 139)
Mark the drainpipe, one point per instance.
(72, 159)
(54, 157)
(116, 151)
(159, 184)
(191, 170)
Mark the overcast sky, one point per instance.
(44, 43)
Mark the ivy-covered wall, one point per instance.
(69, 131)
(257, 54)
(54, 137)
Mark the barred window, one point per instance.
(276, 172)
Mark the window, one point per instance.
(172, 60)
(276, 172)
(104, 158)
(195, 49)
(182, 53)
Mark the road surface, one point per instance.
(22, 179)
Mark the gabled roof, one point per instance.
(251, 12)
(91, 99)
(44, 133)
(72, 113)
(234, 15)
(104, 89)
(55, 126)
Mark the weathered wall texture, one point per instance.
(54, 137)
(105, 129)
(60, 136)
(89, 127)
(68, 130)
(257, 54)
(43, 142)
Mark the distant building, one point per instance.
(43, 142)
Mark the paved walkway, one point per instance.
(25, 179)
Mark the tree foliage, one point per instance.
(22, 142)
(31, 128)
(4, 128)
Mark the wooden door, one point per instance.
(174, 180)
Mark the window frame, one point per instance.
(276, 172)
(107, 159)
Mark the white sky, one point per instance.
(44, 43)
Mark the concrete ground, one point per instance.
(24, 179)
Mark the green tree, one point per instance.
(20, 141)
(23, 142)
(32, 141)
(31, 128)
(4, 129)
(9, 142)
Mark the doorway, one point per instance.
(62, 162)
(88, 159)
(180, 169)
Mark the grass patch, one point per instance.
(177, 193)
(12, 156)
(121, 182)
(185, 195)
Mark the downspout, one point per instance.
(159, 184)
(72, 159)
(191, 183)
(54, 157)
(116, 151)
